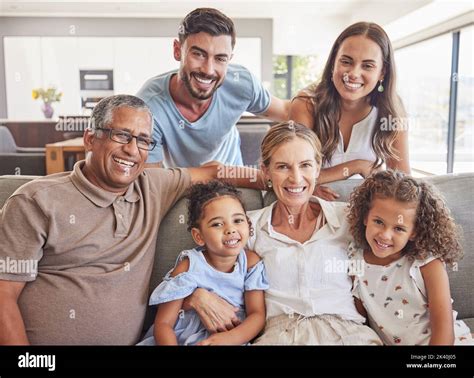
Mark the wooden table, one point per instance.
(55, 154)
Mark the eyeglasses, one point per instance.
(124, 137)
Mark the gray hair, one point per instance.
(103, 112)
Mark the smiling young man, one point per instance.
(196, 107)
(92, 233)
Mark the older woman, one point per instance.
(302, 240)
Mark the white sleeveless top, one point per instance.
(360, 146)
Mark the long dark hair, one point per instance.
(325, 104)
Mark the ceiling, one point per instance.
(300, 27)
(387, 10)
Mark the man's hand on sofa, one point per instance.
(216, 314)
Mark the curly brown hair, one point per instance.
(436, 232)
(199, 195)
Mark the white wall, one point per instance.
(60, 68)
(32, 62)
(22, 74)
(305, 34)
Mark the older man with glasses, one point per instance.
(93, 233)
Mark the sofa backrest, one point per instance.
(251, 135)
(10, 183)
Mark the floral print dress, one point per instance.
(395, 299)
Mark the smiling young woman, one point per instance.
(349, 108)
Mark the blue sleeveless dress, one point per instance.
(230, 286)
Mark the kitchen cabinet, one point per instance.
(138, 59)
(95, 53)
(60, 57)
(23, 72)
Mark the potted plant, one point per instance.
(48, 95)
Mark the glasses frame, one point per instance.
(111, 130)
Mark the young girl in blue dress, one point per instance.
(404, 235)
(219, 225)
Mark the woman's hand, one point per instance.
(216, 314)
(345, 170)
(326, 193)
(364, 167)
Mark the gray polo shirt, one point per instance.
(94, 252)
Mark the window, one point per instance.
(424, 74)
(293, 73)
(464, 135)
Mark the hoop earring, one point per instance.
(380, 87)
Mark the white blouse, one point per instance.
(360, 142)
(307, 278)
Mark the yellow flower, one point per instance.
(48, 95)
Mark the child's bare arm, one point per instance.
(358, 303)
(255, 316)
(165, 319)
(439, 302)
(167, 313)
(249, 328)
(360, 307)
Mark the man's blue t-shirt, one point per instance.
(181, 143)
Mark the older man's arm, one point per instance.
(243, 177)
(12, 327)
(154, 165)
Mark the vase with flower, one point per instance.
(49, 96)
